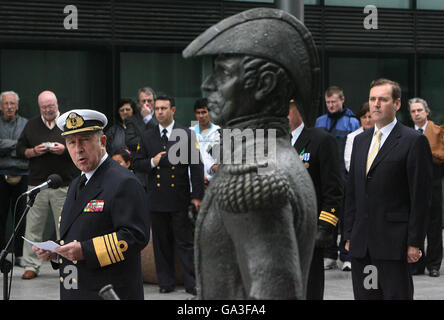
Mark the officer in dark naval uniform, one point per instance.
(169, 192)
(105, 221)
(318, 151)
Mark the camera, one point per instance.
(48, 145)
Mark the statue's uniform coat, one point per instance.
(256, 229)
(267, 248)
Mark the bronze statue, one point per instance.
(256, 228)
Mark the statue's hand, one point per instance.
(324, 237)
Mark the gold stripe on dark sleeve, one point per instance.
(328, 219)
(116, 243)
(110, 251)
(113, 247)
(329, 215)
(101, 252)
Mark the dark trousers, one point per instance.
(434, 230)
(171, 228)
(316, 276)
(8, 197)
(332, 252)
(381, 280)
(433, 255)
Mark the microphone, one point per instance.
(108, 293)
(54, 181)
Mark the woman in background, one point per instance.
(367, 122)
(116, 134)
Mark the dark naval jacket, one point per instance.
(110, 218)
(169, 183)
(318, 151)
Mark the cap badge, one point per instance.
(74, 121)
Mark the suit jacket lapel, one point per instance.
(68, 206)
(75, 207)
(389, 144)
(302, 141)
(155, 141)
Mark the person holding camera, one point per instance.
(42, 144)
(13, 171)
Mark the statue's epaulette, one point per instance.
(242, 189)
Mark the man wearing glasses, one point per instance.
(42, 144)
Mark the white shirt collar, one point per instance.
(52, 124)
(169, 129)
(386, 130)
(423, 127)
(296, 133)
(197, 129)
(148, 118)
(91, 173)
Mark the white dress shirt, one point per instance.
(423, 128)
(168, 134)
(296, 133)
(91, 173)
(349, 147)
(385, 132)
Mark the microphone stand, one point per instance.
(5, 265)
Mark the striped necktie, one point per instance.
(372, 155)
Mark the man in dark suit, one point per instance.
(318, 151)
(104, 223)
(169, 192)
(140, 121)
(420, 113)
(387, 195)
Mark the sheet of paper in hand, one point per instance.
(47, 245)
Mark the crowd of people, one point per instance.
(365, 213)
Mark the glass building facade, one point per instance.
(120, 46)
(126, 45)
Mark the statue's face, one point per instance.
(227, 98)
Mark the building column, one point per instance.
(294, 7)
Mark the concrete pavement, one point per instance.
(338, 286)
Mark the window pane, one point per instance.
(430, 4)
(432, 86)
(354, 76)
(402, 4)
(167, 73)
(79, 79)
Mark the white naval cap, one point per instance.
(81, 120)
